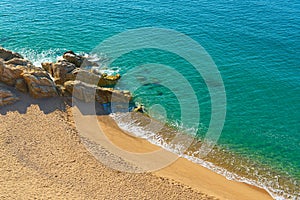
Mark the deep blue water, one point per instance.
(255, 45)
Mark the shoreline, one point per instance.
(183, 170)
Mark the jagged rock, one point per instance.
(7, 54)
(61, 90)
(19, 61)
(71, 57)
(67, 69)
(62, 72)
(90, 93)
(48, 67)
(10, 73)
(39, 84)
(21, 85)
(7, 97)
(78, 60)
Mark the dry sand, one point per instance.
(42, 156)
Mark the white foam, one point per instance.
(133, 127)
(37, 57)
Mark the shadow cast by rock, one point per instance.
(47, 105)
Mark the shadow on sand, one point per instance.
(48, 105)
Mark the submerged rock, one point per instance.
(7, 97)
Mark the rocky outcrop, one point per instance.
(67, 70)
(8, 55)
(63, 78)
(24, 76)
(39, 84)
(7, 97)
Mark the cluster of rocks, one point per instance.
(67, 77)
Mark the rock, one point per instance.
(10, 73)
(7, 97)
(61, 90)
(8, 55)
(139, 108)
(90, 93)
(19, 61)
(108, 80)
(39, 84)
(103, 80)
(86, 76)
(21, 85)
(71, 57)
(48, 67)
(62, 72)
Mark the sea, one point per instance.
(255, 45)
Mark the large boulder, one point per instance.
(7, 97)
(39, 84)
(10, 73)
(90, 93)
(7, 54)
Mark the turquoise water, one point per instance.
(255, 45)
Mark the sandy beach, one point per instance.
(42, 156)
